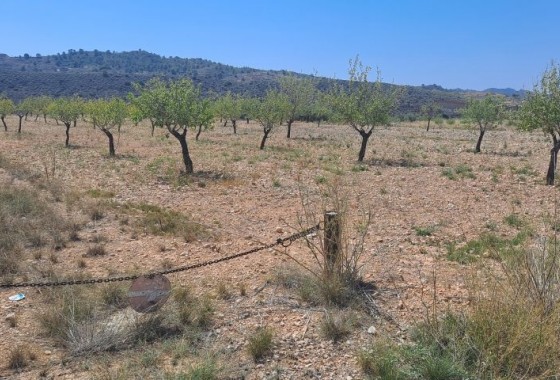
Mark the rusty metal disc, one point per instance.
(148, 294)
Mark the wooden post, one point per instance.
(332, 264)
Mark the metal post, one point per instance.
(332, 264)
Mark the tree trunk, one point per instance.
(247, 120)
(111, 142)
(289, 128)
(225, 123)
(19, 126)
(153, 127)
(182, 137)
(428, 127)
(75, 121)
(67, 144)
(266, 131)
(234, 124)
(4, 122)
(45, 117)
(36, 117)
(365, 138)
(552, 164)
(477, 149)
(198, 132)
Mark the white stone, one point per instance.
(371, 330)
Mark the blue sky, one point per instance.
(472, 44)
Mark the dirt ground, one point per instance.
(247, 197)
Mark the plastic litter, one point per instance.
(17, 297)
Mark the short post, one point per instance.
(332, 262)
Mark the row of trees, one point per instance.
(179, 106)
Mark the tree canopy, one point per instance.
(541, 110)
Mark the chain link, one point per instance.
(284, 242)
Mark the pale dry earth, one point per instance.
(249, 197)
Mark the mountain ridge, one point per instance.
(96, 73)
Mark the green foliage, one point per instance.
(67, 110)
(425, 231)
(300, 94)
(7, 107)
(271, 112)
(229, 107)
(177, 106)
(362, 105)
(486, 113)
(541, 108)
(107, 114)
(513, 220)
(460, 171)
(487, 245)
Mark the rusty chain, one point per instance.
(284, 242)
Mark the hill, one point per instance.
(98, 74)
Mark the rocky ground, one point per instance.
(424, 191)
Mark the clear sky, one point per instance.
(471, 44)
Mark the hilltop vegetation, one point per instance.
(97, 74)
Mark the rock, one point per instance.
(47, 352)
(10, 316)
(372, 330)
(280, 230)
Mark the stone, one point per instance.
(372, 330)
(280, 230)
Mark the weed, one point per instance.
(222, 291)
(487, 245)
(460, 171)
(513, 220)
(114, 296)
(207, 370)
(99, 193)
(11, 319)
(320, 179)
(359, 168)
(425, 231)
(260, 343)
(159, 221)
(96, 250)
(18, 357)
(336, 325)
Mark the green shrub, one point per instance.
(260, 343)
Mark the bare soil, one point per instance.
(247, 198)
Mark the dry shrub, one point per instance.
(260, 343)
(19, 357)
(26, 220)
(338, 252)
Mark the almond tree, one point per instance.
(177, 106)
(22, 109)
(361, 104)
(228, 107)
(66, 110)
(429, 111)
(106, 115)
(6, 108)
(299, 93)
(270, 113)
(41, 106)
(541, 110)
(486, 114)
